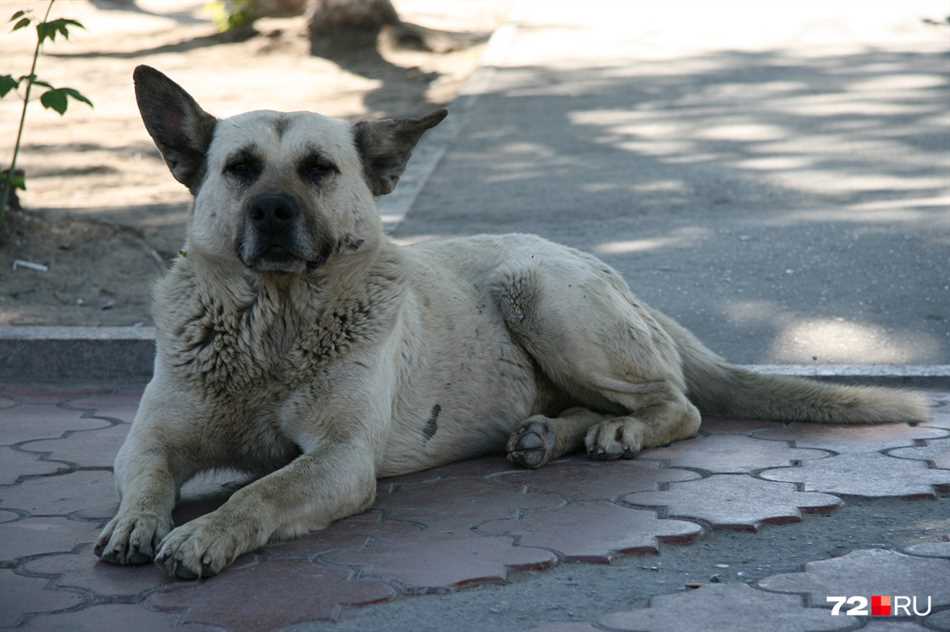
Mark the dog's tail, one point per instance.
(718, 388)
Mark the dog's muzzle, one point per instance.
(275, 236)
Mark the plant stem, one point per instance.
(19, 134)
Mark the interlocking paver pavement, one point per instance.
(870, 474)
(936, 451)
(736, 501)
(725, 454)
(580, 478)
(941, 620)
(850, 439)
(594, 531)
(719, 607)
(469, 523)
(868, 572)
(22, 595)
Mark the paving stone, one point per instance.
(6, 402)
(936, 451)
(14, 464)
(868, 572)
(718, 608)
(353, 532)
(730, 454)
(565, 627)
(30, 536)
(726, 425)
(930, 549)
(296, 591)
(96, 448)
(36, 393)
(119, 406)
(8, 516)
(582, 479)
(427, 563)
(594, 531)
(21, 595)
(87, 494)
(850, 439)
(83, 570)
(896, 626)
(113, 617)
(473, 468)
(457, 505)
(872, 475)
(736, 501)
(24, 423)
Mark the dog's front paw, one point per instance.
(533, 444)
(200, 548)
(132, 537)
(614, 439)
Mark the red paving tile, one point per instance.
(113, 617)
(735, 501)
(594, 531)
(726, 454)
(296, 591)
(20, 596)
(83, 570)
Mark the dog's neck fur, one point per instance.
(233, 330)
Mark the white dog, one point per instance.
(296, 342)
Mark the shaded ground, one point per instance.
(478, 545)
(100, 164)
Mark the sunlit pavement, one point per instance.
(772, 175)
(749, 526)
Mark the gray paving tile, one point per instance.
(86, 494)
(583, 479)
(868, 572)
(728, 454)
(565, 627)
(426, 562)
(735, 501)
(726, 608)
(936, 451)
(872, 475)
(850, 439)
(31, 536)
(20, 596)
(24, 423)
(594, 531)
(725, 425)
(940, 620)
(296, 591)
(930, 549)
(475, 468)
(96, 448)
(120, 405)
(14, 464)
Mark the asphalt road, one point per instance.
(775, 178)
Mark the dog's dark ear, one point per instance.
(182, 131)
(385, 147)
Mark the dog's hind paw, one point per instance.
(533, 444)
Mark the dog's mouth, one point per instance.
(279, 258)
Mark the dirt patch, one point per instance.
(99, 164)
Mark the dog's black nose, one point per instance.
(272, 213)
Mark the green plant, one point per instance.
(53, 98)
(229, 15)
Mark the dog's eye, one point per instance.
(315, 168)
(245, 169)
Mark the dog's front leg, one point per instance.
(311, 492)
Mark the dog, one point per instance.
(297, 343)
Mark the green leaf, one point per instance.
(7, 83)
(55, 100)
(75, 94)
(18, 14)
(48, 30)
(17, 180)
(23, 23)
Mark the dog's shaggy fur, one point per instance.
(296, 342)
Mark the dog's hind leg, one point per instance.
(588, 334)
(540, 439)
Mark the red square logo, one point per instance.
(880, 605)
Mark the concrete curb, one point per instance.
(106, 353)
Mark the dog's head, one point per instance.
(277, 192)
